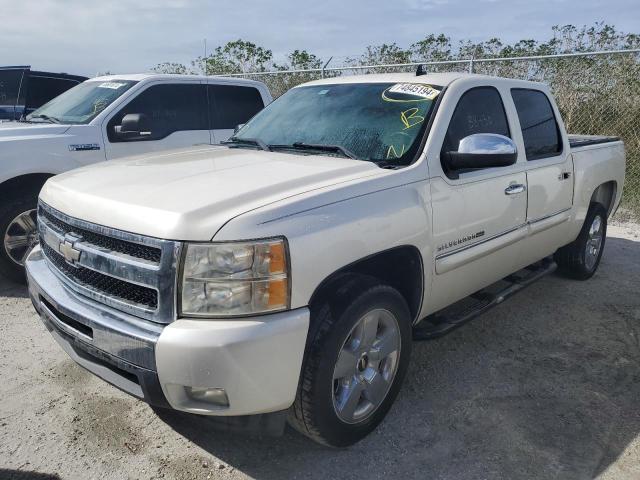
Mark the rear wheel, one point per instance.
(357, 355)
(19, 234)
(580, 259)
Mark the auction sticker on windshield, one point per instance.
(111, 85)
(409, 92)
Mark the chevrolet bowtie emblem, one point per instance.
(70, 254)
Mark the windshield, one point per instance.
(82, 103)
(378, 122)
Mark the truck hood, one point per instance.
(22, 130)
(190, 194)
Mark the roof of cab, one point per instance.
(138, 77)
(436, 79)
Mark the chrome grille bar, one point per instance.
(131, 273)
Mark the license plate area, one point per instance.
(57, 316)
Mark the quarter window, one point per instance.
(169, 108)
(540, 131)
(231, 105)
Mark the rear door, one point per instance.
(229, 106)
(549, 165)
(177, 114)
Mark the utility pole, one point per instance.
(206, 67)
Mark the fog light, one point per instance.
(214, 396)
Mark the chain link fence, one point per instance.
(597, 93)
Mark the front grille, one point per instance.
(103, 284)
(136, 250)
(132, 273)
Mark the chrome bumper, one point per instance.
(256, 361)
(117, 347)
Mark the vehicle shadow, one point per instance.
(544, 386)
(23, 475)
(13, 290)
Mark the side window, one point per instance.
(10, 83)
(231, 105)
(540, 130)
(169, 108)
(479, 110)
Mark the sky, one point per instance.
(124, 36)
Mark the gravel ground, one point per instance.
(547, 385)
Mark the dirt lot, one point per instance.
(547, 385)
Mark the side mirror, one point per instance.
(238, 127)
(483, 150)
(134, 126)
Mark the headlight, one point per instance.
(228, 279)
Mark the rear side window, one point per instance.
(10, 82)
(479, 110)
(170, 108)
(43, 89)
(540, 130)
(231, 105)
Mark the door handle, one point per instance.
(515, 189)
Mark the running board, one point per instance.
(450, 318)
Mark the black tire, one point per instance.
(572, 259)
(9, 210)
(332, 322)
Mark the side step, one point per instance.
(453, 316)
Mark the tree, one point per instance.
(382, 54)
(238, 56)
(303, 60)
(432, 48)
(171, 67)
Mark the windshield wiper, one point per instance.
(44, 117)
(321, 147)
(248, 141)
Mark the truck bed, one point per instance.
(577, 141)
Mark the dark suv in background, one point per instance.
(22, 90)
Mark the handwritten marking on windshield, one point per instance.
(392, 153)
(410, 118)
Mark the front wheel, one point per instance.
(19, 234)
(356, 358)
(580, 259)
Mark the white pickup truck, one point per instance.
(285, 273)
(102, 119)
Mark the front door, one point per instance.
(177, 117)
(479, 215)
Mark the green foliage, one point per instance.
(381, 55)
(171, 67)
(238, 56)
(432, 48)
(302, 60)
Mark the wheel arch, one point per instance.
(605, 194)
(23, 183)
(400, 267)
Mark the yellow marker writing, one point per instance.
(392, 153)
(410, 118)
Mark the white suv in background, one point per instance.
(102, 119)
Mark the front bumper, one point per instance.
(256, 361)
